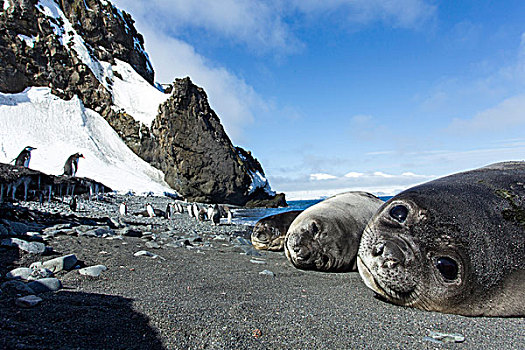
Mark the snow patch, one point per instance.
(135, 95)
(29, 40)
(260, 181)
(59, 128)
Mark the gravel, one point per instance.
(208, 288)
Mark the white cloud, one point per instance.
(508, 114)
(381, 174)
(354, 174)
(376, 182)
(258, 24)
(262, 25)
(321, 176)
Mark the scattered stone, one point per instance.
(39, 273)
(45, 285)
(16, 287)
(242, 241)
(267, 272)
(98, 232)
(93, 271)
(130, 232)
(153, 245)
(443, 338)
(57, 228)
(28, 301)
(30, 247)
(115, 223)
(250, 251)
(260, 262)
(66, 262)
(21, 273)
(145, 253)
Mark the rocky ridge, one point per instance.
(73, 48)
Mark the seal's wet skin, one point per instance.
(325, 237)
(453, 245)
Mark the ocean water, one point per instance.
(251, 216)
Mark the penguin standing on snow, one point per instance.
(24, 157)
(71, 165)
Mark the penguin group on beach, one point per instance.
(212, 213)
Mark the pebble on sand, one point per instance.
(66, 262)
(28, 301)
(30, 247)
(93, 271)
(45, 285)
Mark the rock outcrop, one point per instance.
(72, 47)
(20, 183)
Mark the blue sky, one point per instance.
(364, 94)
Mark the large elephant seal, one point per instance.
(453, 245)
(268, 233)
(326, 236)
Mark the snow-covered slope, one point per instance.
(59, 128)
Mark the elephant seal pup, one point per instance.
(453, 245)
(268, 233)
(326, 236)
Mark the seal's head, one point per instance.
(317, 244)
(267, 237)
(411, 255)
(269, 232)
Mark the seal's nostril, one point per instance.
(378, 249)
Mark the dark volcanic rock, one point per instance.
(195, 153)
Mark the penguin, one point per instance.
(123, 209)
(73, 205)
(229, 215)
(195, 209)
(169, 211)
(216, 215)
(150, 210)
(71, 165)
(210, 211)
(24, 157)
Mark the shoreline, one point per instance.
(208, 289)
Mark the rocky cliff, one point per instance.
(79, 48)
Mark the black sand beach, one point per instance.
(210, 294)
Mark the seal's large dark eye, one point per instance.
(447, 267)
(399, 212)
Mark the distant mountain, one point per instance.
(89, 51)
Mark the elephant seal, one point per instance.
(326, 236)
(269, 232)
(453, 245)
